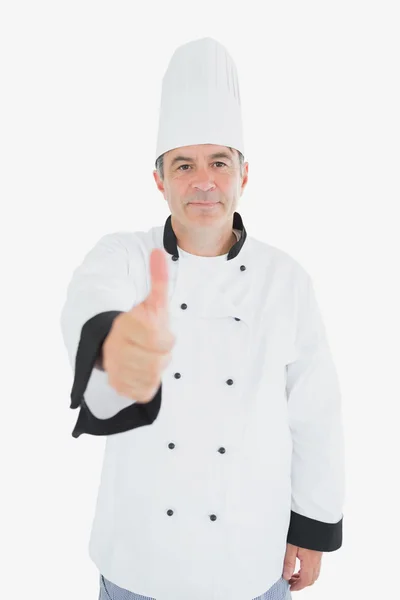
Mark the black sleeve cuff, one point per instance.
(314, 535)
(133, 416)
(93, 334)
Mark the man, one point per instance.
(200, 353)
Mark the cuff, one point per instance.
(314, 535)
(93, 334)
(135, 415)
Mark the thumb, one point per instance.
(290, 561)
(158, 297)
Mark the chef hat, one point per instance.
(200, 101)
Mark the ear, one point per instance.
(158, 181)
(245, 177)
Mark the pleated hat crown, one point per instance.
(200, 100)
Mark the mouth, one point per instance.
(204, 203)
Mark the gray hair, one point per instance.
(160, 164)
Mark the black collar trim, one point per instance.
(171, 244)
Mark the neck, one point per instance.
(204, 242)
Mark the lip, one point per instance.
(204, 203)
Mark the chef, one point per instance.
(224, 456)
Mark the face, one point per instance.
(202, 184)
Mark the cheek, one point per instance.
(176, 189)
(229, 188)
(228, 182)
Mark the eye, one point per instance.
(218, 162)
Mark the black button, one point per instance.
(174, 258)
(242, 268)
(230, 381)
(177, 375)
(237, 319)
(213, 517)
(170, 512)
(171, 445)
(184, 306)
(221, 450)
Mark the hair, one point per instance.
(160, 163)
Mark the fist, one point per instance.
(139, 345)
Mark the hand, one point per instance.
(310, 566)
(138, 346)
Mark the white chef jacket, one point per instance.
(241, 449)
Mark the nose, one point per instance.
(203, 179)
(204, 186)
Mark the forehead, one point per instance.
(206, 150)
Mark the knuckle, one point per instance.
(170, 344)
(151, 336)
(154, 371)
(160, 339)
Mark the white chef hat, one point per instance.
(200, 100)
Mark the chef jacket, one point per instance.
(241, 449)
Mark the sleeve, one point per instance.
(315, 420)
(100, 289)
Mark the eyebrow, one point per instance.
(189, 159)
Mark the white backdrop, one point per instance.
(80, 91)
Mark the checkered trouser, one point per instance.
(109, 591)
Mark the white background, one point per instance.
(80, 92)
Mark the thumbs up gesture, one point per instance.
(138, 347)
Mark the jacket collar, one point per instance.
(171, 243)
